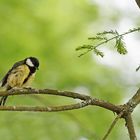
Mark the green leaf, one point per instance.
(98, 52)
(97, 38)
(120, 45)
(84, 47)
(108, 32)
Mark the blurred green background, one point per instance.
(51, 30)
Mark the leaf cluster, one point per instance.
(103, 38)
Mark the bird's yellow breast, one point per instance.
(29, 81)
(17, 76)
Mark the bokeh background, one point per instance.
(51, 30)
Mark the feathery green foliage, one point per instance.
(105, 37)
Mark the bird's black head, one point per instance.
(32, 62)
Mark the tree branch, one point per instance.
(128, 109)
(134, 101)
(138, 3)
(90, 100)
(123, 111)
(44, 109)
(130, 127)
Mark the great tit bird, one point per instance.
(20, 75)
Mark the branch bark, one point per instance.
(134, 101)
(138, 3)
(123, 111)
(130, 127)
(92, 101)
(44, 109)
(129, 108)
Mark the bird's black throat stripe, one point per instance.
(32, 70)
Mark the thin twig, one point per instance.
(112, 125)
(119, 35)
(44, 109)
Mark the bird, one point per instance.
(19, 76)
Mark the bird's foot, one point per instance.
(28, 88)
(3, 100)
(16, 89)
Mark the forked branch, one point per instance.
(123, 111)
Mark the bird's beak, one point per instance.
(37, 68)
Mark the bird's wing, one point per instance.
(4, 80)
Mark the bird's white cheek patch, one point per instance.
(29, 63)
